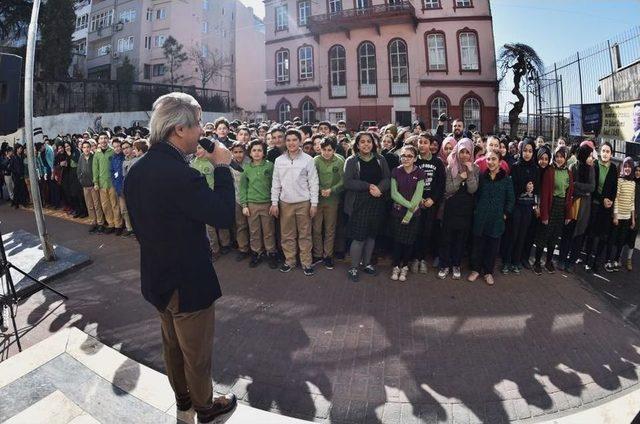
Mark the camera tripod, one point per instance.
(8, 296)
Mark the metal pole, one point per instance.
(555, 70)
(580, 76)
(613, 76)
(47, 248)
(528, 106)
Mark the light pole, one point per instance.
(47, 248)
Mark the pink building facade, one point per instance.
(381, 61)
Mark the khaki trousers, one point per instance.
(8, 181)
(92, 200)
(125, 213)
(218, 238)
(295, 229)
(187, 345)
(262, 228)
(109, 202)
(325, 223)
(242, 230)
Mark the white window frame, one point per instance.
(127, 16)
(159, 40)
(472, 112)
(82, 22)
(368, 72)
(205, 51)
(103, 50)
(284, 112)
(125, 44)
(101, 20)
(304, 11)
(437, 51)
(80, 47)
(147, 42)
(469, 55)
(437, 107)
(338, 71)
(161, 14)
(282, 17)
(464, 3)
(399, 77)
(305, 63)
(431, 4)
(335, 6)
(149, 14)
(154, 67)
(205, 27)
(306, 110)
(283, 67)
(362, 4)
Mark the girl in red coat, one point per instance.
(556, 198)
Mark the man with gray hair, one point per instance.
(169, 204)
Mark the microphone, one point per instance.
(207, 144)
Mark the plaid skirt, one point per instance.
(367, 216)
(550, 233)
(405, 233)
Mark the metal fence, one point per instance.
(72, 96)
(589, 76)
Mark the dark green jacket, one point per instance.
(494, 199)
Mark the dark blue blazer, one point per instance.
(169, 204)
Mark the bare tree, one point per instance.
(208, 65)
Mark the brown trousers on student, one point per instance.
(324, 223)
(218, 238)
(295, 228)
(110, 207)
(242, 230)
(125, 213)
(262, 228)
(92, 200)
(187, 345)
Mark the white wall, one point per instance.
(75, 123)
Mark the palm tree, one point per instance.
(523, 61)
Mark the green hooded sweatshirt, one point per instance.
(101, 168)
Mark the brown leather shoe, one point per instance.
(183, 403)
(221, 405)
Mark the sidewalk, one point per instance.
(328, 350)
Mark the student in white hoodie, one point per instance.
(294, 198)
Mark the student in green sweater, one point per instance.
(216, 242)
(255, 198)
(330, 167)
(101, 171)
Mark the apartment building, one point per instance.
(380, 61)
(78, 67)
(137, 29)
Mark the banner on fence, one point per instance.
(619, 121)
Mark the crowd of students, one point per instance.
(306, 194)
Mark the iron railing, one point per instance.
(328, 21)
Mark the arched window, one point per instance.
(471, 112)
(308, 112)
(282, 66)
(399, 66)
(284, 111)
(338, 71)
(305, 62)
(367, 69)
(438, 107)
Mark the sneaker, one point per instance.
(328, 263)
(316, 260)
(548, 266)
(256, 259)
(415, 266)
(109, 230)
(456, 273)
(395, 273)
(273, 260)
(629, 265)
(127, 233)
(489, 279)
(241, 256)
(285, 268)
(370, 269)
(609, 267)
(423, 267)
(515, 269)
(224, 250)
(473, 276)
(100, 229)
(308, 271)
(403, 273)
(616, 266)
(537, 268)
(353, 275)
(93, 229)
(442, 273)
(118, 231)
(505, 269)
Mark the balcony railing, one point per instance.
(398, 12)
